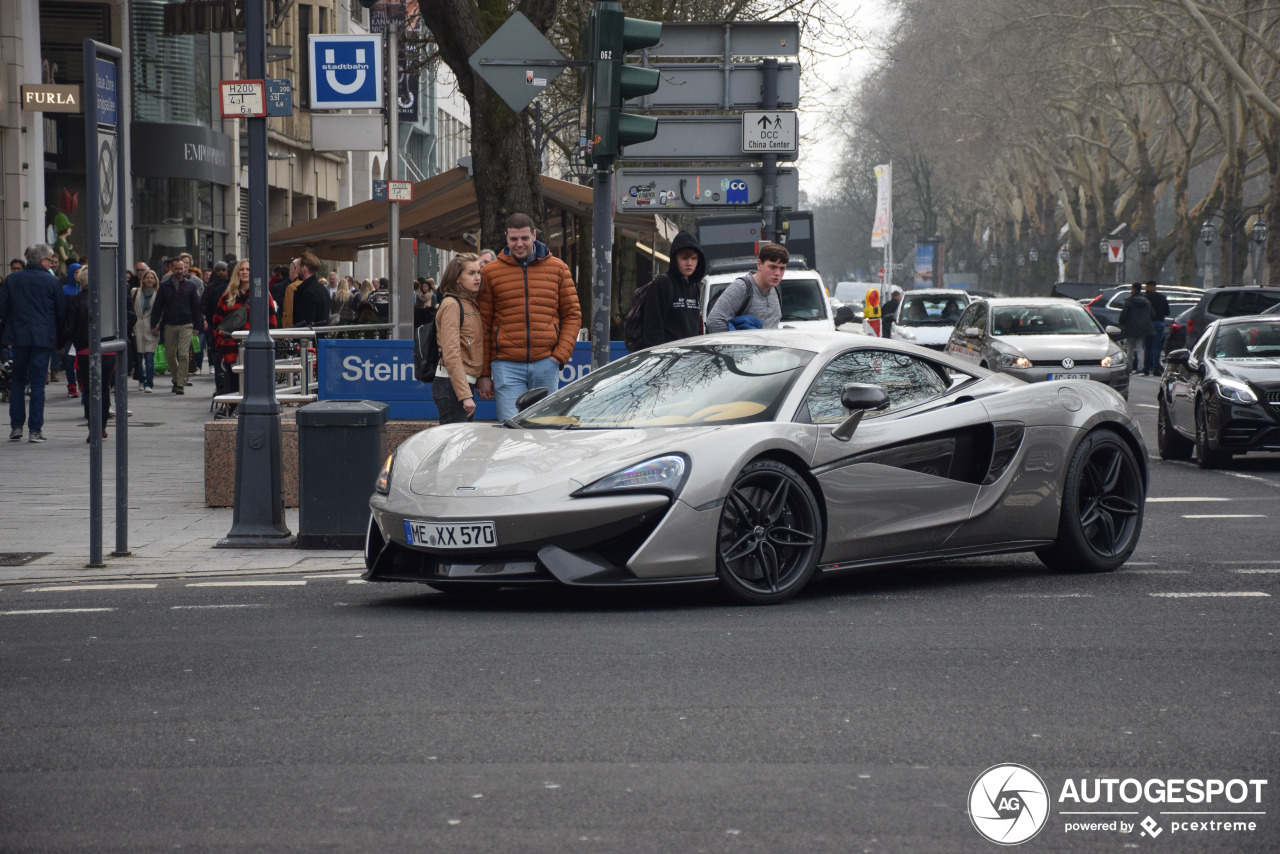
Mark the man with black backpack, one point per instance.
(752, 297)
(666, 309)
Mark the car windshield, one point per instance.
(1258, 339)
(1062, 319)
(931, 309)
(801, 298)
(674, 386)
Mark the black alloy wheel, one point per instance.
(1102, 506)
(1172, 444)
(770, 535)
(1207, 457)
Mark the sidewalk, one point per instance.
(44, 497)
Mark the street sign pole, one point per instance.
(393, 212)
(258, 514)
(602, 252)
(769, 171)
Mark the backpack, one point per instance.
(746, 301)
(426, 349)
(633, 323)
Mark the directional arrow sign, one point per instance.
(769, 132)
(691, 138)
(518, 62)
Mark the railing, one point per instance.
(301, 364)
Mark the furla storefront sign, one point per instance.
(51, 98)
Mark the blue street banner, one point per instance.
(346, 71)
(354, 369)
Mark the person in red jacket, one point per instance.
(531, 318)
(226, 320)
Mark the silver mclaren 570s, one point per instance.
(756, 461)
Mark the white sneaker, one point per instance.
(35, 437)
(148, 390)
(15, 435)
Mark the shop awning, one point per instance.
(443, 209)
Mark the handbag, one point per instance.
(234, 320)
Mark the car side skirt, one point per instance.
(832, 570)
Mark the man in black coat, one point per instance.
(176, 317)
(213, 291)
(671, 302)
(311, 302)
(32, 312)
(1159, 316)
(1135, 321)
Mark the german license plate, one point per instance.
(450, 535)
(1068, 376)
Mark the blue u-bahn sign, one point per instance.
(346, 71)
(383, 371)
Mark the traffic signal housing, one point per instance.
(613, 34)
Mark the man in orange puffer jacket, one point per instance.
(531, 317)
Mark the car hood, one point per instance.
(1054, 347)
(486, 460)
(1264, 371)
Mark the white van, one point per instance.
(802, 294)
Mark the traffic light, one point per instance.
(613, 35)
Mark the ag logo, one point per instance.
(1008, 804)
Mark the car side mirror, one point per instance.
(530, 397)
(971, 332)
(860, 398)
(1114, 331)
(1177, 357)
(844, 314)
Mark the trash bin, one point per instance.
(339, 455)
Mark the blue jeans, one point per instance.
(30, 369)
(1155, 342)
(148, 370)
(512, 379)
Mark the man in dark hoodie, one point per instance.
(671, 302)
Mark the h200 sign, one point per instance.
(243, 98)
(108, 198)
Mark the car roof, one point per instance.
(934, 291)
(790, 275)
(1015, 301)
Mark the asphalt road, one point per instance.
(321, 713)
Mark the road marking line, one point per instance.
(1250, 477)
(1255, 571)
(1160, 571)
(335, 575)
(298, 583)
(57, 611)
(1147, 405)
(357, 581)
(1242, 562)
(206, 607)
(1225, 516)
(1194, 595)
(1039, 596)
(92, 587)
(1190, 498)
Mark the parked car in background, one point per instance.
(802, 294)
(1038, 339)
(1175, 337)
(1222, 397)
(1228, 302)
(1107, 305)
(926, 317)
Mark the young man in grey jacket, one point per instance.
(753, 294)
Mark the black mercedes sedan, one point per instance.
(1222, 397)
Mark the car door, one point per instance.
(909, 475)
(963, 346)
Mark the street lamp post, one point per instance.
(1259, 235)
(1232, 225)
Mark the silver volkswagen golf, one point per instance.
(1037, 339)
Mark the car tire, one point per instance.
(770, 535)
(1102, 504)
(1207, 457)
(1172, 444)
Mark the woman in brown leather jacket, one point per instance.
(460, 335)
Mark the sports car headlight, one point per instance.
(660, 474)
(1236, 392)
(383, 483)
(1013, 360)
(1113, 360)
